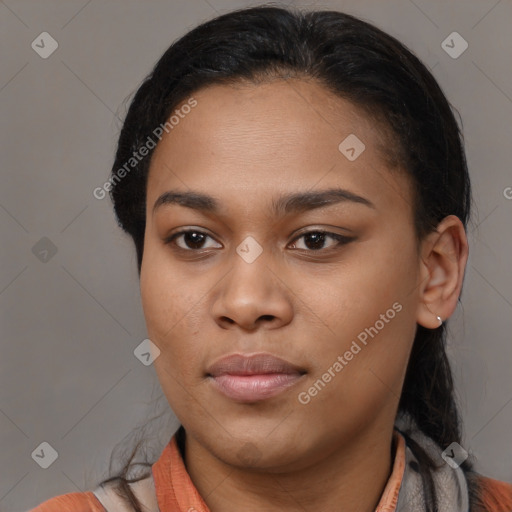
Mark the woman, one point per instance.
(296, 188)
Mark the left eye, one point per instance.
(314, 240)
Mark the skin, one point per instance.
(246, 145)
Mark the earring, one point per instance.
(440, 321)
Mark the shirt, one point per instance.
(176, 492)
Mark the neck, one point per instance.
(350, 478)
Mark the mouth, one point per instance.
(253, 378)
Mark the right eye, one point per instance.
(192, 240)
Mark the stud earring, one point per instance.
(440, 321)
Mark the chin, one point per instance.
(258, 450)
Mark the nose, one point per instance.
(252, 296)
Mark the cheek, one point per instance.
(172, 310)
(368, 303)
(353, 297)
(172, 324)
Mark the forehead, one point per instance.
(245, 140)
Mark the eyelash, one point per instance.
(341, 239)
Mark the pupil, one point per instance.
(193, 238)
(318, 240)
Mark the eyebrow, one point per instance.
(284, 205)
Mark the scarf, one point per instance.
(449, 480)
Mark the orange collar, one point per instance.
(175, 490)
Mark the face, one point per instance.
(272, 264)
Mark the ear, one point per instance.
(444, 254)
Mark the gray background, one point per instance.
(70, 324)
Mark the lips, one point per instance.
(252, 378)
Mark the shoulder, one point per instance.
(490, 495)
(72, 502)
